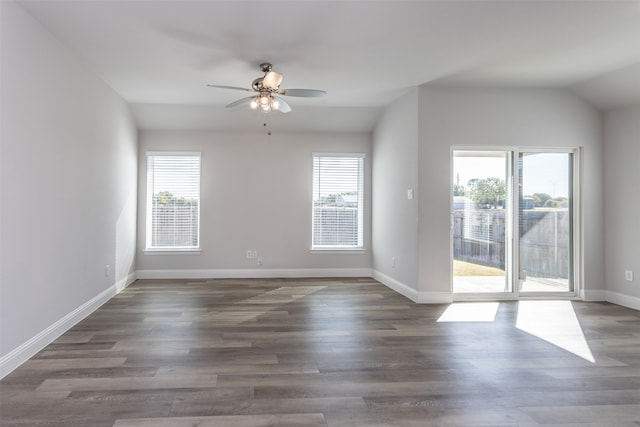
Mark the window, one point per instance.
(173, 201)
(338, 201)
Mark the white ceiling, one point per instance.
(159, 55)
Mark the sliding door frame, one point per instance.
(512, 257)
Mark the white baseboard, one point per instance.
(412, 294)
(123, 283)
(396, 285)
(623, 300)
(24, 352)
(435, 297)
(261, 273)
(597, 295)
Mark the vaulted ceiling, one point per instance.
(159, 55)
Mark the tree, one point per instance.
(459, 190)
(163, 198)
(557, 202)
(487, 192)
(540, 199)
(167, 198)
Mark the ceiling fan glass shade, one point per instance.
(272, 80)
(266, 102)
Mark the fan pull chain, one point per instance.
(267, 125)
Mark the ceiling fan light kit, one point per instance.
(267, 87)
(265, 102)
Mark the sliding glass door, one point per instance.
(545, 221)
(480, 218)
(512, 220)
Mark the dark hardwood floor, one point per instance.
(329, 352)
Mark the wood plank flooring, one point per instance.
(328, 352)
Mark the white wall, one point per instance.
(622, 205)
(395, 219)
(502, 117)
(68, 190)
(255, 194)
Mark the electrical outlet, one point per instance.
(393, 262)
(252, 254)
(628, 275)
(107, 270)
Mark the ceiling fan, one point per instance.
(267, 91)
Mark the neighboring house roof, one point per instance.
(350, 199)
(461, 202)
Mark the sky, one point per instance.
(543, 172)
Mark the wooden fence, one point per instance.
(335, 226)
(479, 237)
(174, 225)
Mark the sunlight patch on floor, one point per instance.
(470, 312)
(555, 322)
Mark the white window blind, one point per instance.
(338, 200)
(173, 201)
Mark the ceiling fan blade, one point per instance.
(240, 101)
(272, 80)
(307, 93)
(284, 107)
(231, 87)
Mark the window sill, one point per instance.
(338, 251)
(171, 252)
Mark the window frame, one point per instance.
(149, 249)
(359, 248)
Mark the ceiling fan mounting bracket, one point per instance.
(266, 67)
